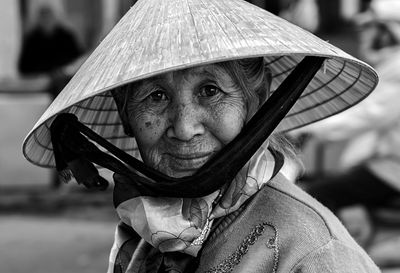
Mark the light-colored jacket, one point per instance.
(283, 229)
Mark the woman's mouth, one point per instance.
(188, 163)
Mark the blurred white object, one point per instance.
(386, 9)
(372, 127)
(110, 16)
(386, 12)
(349, 8)
(303, 13)
(10, 35)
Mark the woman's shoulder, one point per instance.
(281, 229)
(310, 235)
(293, 209)
(300, 217)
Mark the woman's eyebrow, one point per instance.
(208, 74)
(212, 72)
(151, 82)
(217, 74)
(204, 72)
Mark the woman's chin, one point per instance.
(181, 173)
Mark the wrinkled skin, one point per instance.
(181, 119)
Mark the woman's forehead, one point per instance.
(211, 72)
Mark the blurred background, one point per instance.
(351, 163)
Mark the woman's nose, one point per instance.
(186, 122)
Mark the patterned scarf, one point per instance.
(183, 224)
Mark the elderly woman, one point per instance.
(189, 98)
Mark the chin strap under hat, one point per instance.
(74, 152)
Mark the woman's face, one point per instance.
(181, 119)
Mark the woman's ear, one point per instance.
(120, 99)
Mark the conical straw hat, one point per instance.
(157, 36)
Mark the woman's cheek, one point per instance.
(148, 133)
(150, 130)
(229, 120)
(147, 126)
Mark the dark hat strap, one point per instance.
(71, 145)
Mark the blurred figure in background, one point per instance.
(52, 52)
(371, 159)
(380, 31)
(47, 48)
(303, 13)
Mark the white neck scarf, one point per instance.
(183, 224)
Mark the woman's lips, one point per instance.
(189, 162)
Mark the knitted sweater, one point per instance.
(283, 229)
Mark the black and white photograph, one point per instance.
(200, 136)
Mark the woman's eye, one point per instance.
(158, 96)
(209, 91)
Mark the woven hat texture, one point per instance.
(157, 36)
